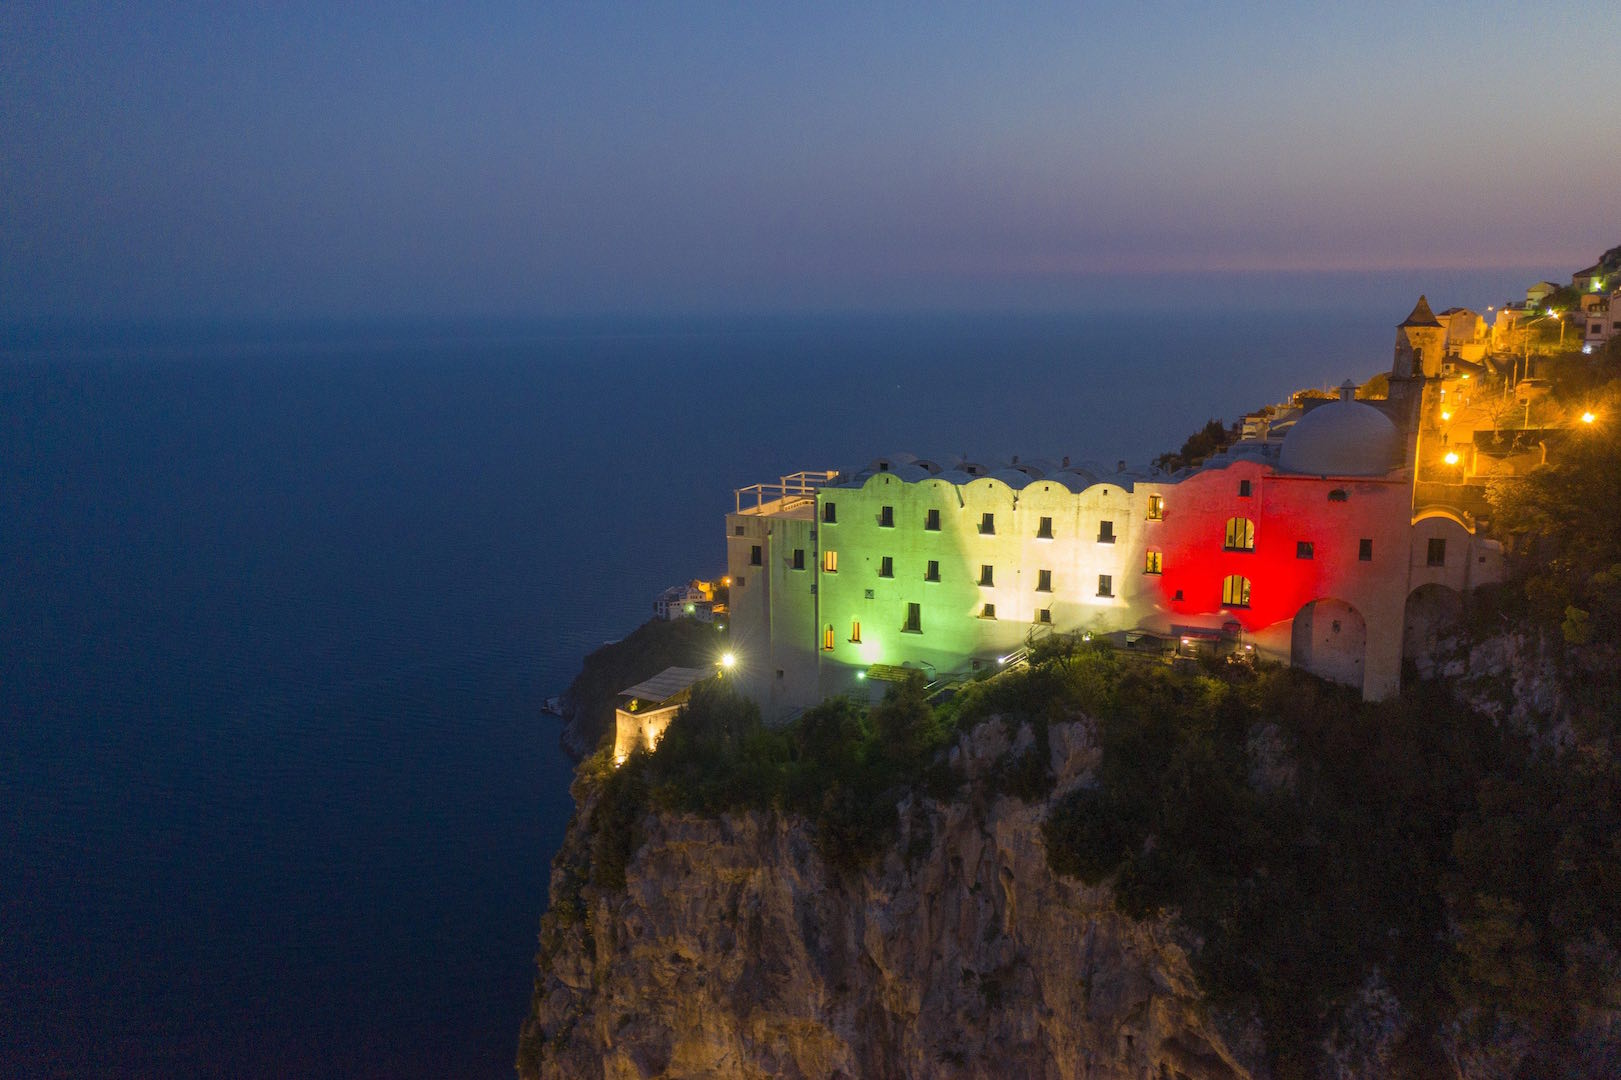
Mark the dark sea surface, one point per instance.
(278, 613)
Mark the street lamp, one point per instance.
(1588, 418)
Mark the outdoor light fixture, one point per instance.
(1588, 418)
(1446, 416)
(1452, 457)
(728, 660)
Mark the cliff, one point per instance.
(588, 703)
(735, 949)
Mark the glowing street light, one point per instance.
(1588, 418)
(728, 660)
(1451, 458)
(1446, 416)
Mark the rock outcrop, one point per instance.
(735, 950)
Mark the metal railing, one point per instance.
(793, 490)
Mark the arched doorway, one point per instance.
(1330, 640)
(1432, 611)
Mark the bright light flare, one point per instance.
(1588, 418)
(1446, 416)
(728, 660)
(1451, 458)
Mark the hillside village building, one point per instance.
(1307, 542)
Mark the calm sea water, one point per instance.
(277, 618)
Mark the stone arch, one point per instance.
(1330, 639)
(1431, 611)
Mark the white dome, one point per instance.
(1342, 438)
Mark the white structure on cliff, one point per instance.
(1305, 544)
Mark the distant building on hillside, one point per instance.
(1465, 333)
(1591, 280)
(1538, 293)
(1307, 542)
(694, 600)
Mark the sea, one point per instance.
(280, 607)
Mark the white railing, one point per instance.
(793, 490)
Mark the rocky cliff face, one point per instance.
(735, 950)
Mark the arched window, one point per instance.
(1235, 591)
(827, 637)
(1240, 534)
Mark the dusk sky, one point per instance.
(514, 159)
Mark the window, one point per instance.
(1156, 508)
(986, 575)
(827, 638)
(1105, 532)
(931, 521)
(1154, 562)
(1235, 591)
(738, 581)
(1240, 534)
(754, 555)
(1437, 554)
(933, 572)
(1338, 495)
(1044, 581)
(830, 562)
(1303, 549)
(1243, 489)
(830, 513)
(855, 631)
(1105, 585)
(799, 558)
(914, 619)
(987, 524)
(886, 566)
(1044, 531)
(1045, 615)
(737, 530)
(988, 611)
(1364, 550)
(886, 517)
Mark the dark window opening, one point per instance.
(886, 566)
(931, 521)
(830, 513)
(986, 575)
(886, 517)
(1044, 531)
(1105, 532)
(1303, 549)
(988, 611)
(754, 555)
(1364, 550)
(1437, 553)
(1243, 489)
(799, 558)
(914, 619)
(1045, 615)
(1044, 581)
(987, 524)
(933, 572)
(1105, 585)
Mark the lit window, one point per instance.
(886, 566)
(1243, 489)
(1154, 562)
(1044, 581)
(830, 562)
(1105, 585)
(1240, 534)
(1437, 553)
(1044, 531)
(986, 575)
(933, 571)
(1303, 549)
(1045, 615)
(754, 555)
(830, 513)
(799, 558)
(931, 521)
(1235, 591)
(1105, 532)
(855, 631)
(886, 517)
(1156, 507)
(987, 524)
(914, 619)
(827, 638)
(1364, 550)
(988, 611)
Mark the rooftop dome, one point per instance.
(1342, 438)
